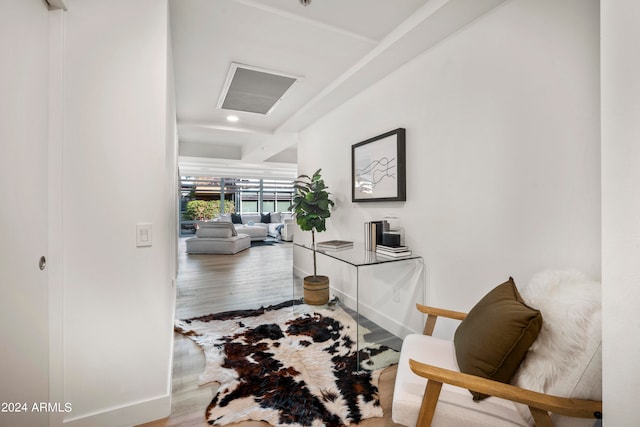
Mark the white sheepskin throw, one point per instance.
(565, 359)
(289, 365)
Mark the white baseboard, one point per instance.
(130, 415)
(298, 272)
(376, 316)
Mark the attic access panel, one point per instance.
(254, 90)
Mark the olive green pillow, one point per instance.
(496, 335)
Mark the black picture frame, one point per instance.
(378, 168)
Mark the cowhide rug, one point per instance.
(288, 366)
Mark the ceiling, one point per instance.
(334, 48)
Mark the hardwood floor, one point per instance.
(261, 275)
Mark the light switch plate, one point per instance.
(143, 234)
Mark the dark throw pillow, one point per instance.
(236, 218)
(265, 218)
(494, 338)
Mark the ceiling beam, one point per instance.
(55, 4)
(433, 22)
(220, 168)
(255, 146)
(268, 146)
(319, 24)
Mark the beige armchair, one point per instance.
(557, 383)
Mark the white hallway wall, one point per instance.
(621, 210)
(503, 150)
(118, 169)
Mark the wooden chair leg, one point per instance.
(429, 402)
(430, 324)
(540, 417)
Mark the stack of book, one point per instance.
(373, 234)
(334, 245)
(393, 251)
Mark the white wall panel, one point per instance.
(620, 210)
(117, 155)
(503, 150)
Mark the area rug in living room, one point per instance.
(289, 365)
(270, 241)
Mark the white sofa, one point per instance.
(217, 238)
(278, 225)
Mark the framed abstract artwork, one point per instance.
(378, 168)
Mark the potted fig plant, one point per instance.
(311, 207)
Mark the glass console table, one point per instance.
(380, 292)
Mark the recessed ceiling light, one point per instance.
(232, 118)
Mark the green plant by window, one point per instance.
(203, 210)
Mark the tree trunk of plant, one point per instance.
(313, 245)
